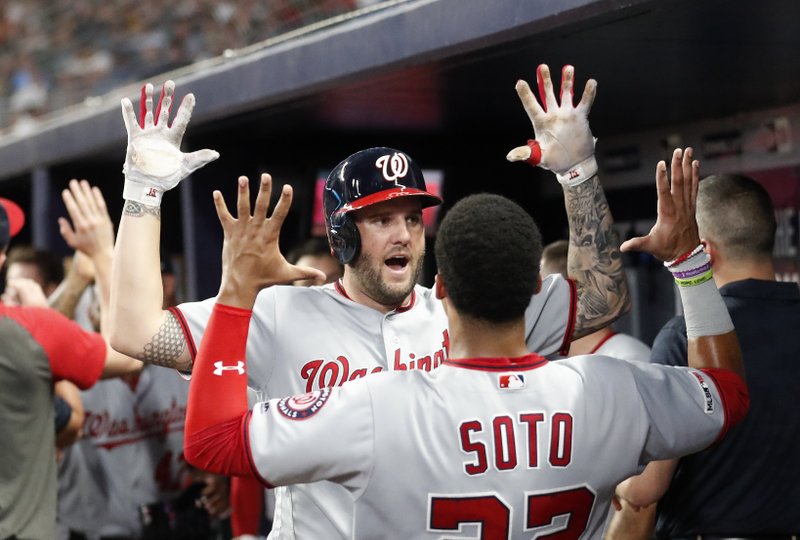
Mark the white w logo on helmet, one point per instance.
(220, 367)
(393, 167)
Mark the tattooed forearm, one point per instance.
(66, 297)
(137, 209)
(167, 346)
(594, 259)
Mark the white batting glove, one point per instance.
(564, 142)
(154, 162)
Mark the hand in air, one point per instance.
(251, 257)
(564, 143)
(91, 231)
(675, 231)
(154, 162)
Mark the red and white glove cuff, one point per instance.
(577, 174)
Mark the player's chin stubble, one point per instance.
(367, 272)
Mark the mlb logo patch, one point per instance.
(708, 398)
(511, 381)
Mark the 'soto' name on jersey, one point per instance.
(495, 444)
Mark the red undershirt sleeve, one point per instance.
(734, 395)
(217, 410)
(247, 501)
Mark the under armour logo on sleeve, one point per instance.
(219, 367)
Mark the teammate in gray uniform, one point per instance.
(131, 452)
(605, 341)
(375, 318)
(498, 443)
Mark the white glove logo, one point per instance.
(220, 367)
(398, 163)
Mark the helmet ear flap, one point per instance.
(344, 238)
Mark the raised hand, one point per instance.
(251, 257)
(564, 143)
(91, 231)
(154, 162)
(675, 231)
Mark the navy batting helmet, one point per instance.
(367, 177)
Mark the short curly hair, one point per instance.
(487, 251)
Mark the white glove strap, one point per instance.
(145, 193)
(578, 173)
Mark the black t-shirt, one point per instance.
(749, 483)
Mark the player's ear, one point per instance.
(439, 288)
(538, 283)
(710, 248)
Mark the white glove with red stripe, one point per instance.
(154, 162)
(564, 142)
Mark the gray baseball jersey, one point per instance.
(625, 347)
(131, 454)
(302, 339)
(487, 448)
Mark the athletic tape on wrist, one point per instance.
(579, 173)
(705, 312)
(149, 195)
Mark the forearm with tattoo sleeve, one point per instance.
(594, 259)
(139, 326)
(66, 297)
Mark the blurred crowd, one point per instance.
(56, 54)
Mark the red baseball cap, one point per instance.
(12, 218)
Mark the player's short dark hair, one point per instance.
(736, 212)
(315, 247)
(488, 250)
(554, 258)
(50, 265)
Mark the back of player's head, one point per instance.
(316, 253)
(737, 214)
(554, 258)
(488, 250)
(314, 247)
(48, 265)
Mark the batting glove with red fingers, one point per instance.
(154, 162)
(564, 142)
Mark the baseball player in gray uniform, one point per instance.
(499, 442)
(605, 341)
(375, 318)
(131, 454)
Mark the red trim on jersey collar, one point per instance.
(529, 361)
(609, 336)
(402, 309)
(340, 289)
